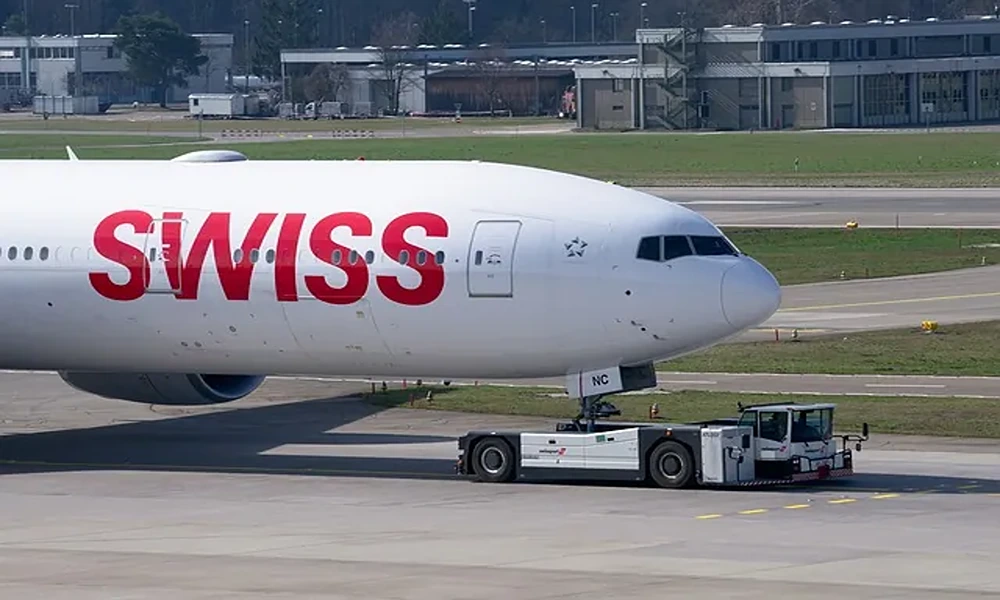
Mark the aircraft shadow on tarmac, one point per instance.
(226, 441)
(237, 441)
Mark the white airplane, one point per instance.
(189, 281)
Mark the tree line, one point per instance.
(354, 22)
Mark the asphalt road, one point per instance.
(826, 207)
(294, 492)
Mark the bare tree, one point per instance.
(390, 36)
(326, 82)
(491, 66)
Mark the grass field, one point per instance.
(966, 349)
(25, 145)
(958, 417)
(812, 255)
(174, 122)
(919, 159)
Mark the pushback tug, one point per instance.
(768, 444)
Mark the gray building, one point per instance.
(881, 73)
(50, 65)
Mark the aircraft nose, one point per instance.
(750, 294)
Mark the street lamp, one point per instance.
(593, 23)
(472, 9)
(72, 18)
(246, 55)
(544, 33)
(614, 26)
(642, 14)
(572, 10)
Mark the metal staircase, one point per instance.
(680, 50)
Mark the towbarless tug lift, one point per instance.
(769, 444)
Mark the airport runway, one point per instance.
(826, 207)
(323, 498)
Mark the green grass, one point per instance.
(919, 159)
(174, 122)
(27, 145)
(969, 349)
(813, 255)
(957, 417)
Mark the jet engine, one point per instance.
(174, 389)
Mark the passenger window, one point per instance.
(28, 252)
(421, 257)
(269, 257)
(439, 257)
(337, 255)
(370, 257)
(43, 253)
(479, 257)
(404, 257)
(238, 256)
(675, 246)
(352, 257)
(12, 253)
(254, 255)
(712, 246)
(649, 249)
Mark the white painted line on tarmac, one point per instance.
(904, 385)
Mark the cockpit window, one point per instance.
(649, 249)
(712, 246)
(675, 246)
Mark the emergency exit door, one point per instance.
(491, 259)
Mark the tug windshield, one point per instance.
(813, 425)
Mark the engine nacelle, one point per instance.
(174, 389)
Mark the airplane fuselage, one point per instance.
(344, 268)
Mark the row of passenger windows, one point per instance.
(337, 258)
(662, 248)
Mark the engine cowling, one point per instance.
(173, 389)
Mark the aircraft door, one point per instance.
(491, 259)
(158, 252)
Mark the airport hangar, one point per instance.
(881, 73)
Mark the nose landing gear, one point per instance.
(591, 409)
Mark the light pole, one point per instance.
(544, 33)
(472, 9)
(614, 26)
(593, 23)
(77, 75)
(642, 14)
(246, 55)
(572, 10)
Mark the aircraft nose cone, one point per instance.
(750, 294)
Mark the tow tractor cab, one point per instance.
(795, 442)
(767, 444)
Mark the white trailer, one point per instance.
(224, 106)
(766, 445)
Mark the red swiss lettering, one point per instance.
(128, 256)
(431, 274)
(323, 247)
(284, 267)
(235, 278)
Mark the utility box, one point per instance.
(66, 105)
(727, 454)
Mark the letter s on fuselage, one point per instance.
(184, 266)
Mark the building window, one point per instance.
(776, 51)
(894, 47)
(836, 49)
(617, 85)
(988, 44)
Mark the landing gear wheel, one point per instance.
(493, 461)
(671, 465)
